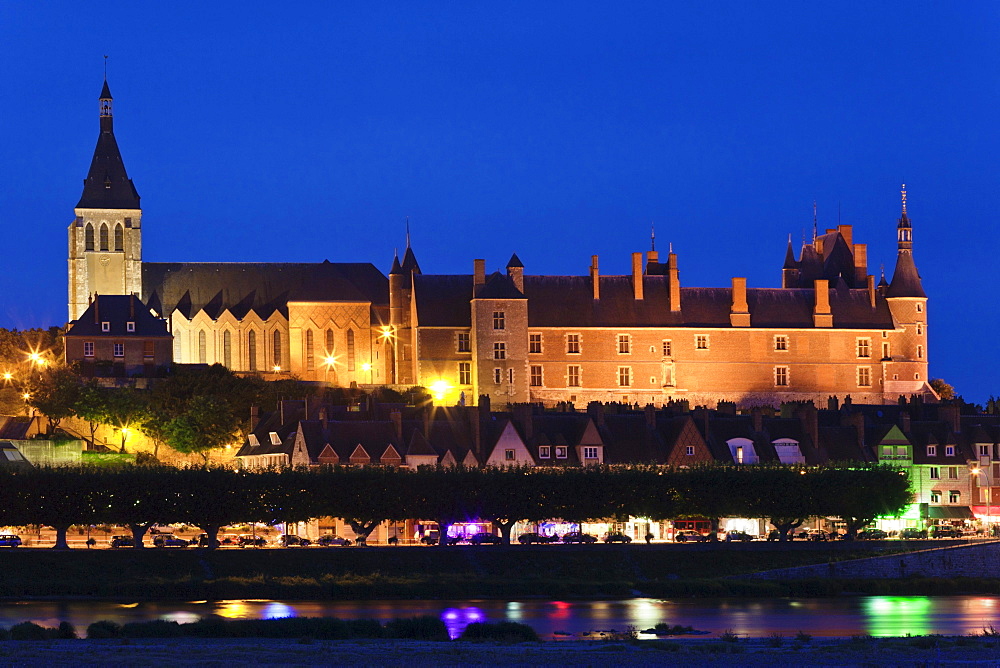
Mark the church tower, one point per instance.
(105, 238)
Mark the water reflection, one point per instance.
(456, 619)
(898, 615)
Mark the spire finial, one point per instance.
(903, 193)
(407, 231)
(815, 226)
(882, 269)
(652, 236)
(671, 247)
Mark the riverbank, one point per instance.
(862, 651)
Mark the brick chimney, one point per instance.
(674, 282)
(809, 419)
(951, 414)
(397, 423)
(478, 274)
(522, 414)
(595, 277)
(739, 312)
(595, 409)
(822, 316)
(637, 275)
(871, 290)
(650, 412)
(757, 418)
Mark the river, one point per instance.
(830, 617)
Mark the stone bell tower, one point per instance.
(105, 238)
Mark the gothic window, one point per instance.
(88, 237)
(202, 347)
(350, 350)
(227, 349)
(329, 342)
(310, 355)
(252, 350)
(104, 237)
(276, 345)
(119, 237)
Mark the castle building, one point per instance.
(638, 338)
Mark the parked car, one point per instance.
(485, 539)
(945, 531)
(617, 538)
(10, 540)
(329, 540)
(817, 534)
(578, 537)
(169, 540)
(121, 541)
(872, 534)
(531, 538)
(738, 536)
(690, 536)
(294, 541)
(251, 541)
(432, 538)
(912, 532)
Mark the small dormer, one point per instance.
(360, 456)
(254, 440)
(275, 440)
(742, 451)
(788, 451)
(391, 457)
(327, 456)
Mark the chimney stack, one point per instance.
(674, 282)
(822, 316)
(397, 423)
(637, 275)
(739, 313)
(479, 273)
(595, 277)
(871, 290)
(650, 412)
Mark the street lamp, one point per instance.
(368, 367)
(329, 361)
(388, 335)
(975, 470)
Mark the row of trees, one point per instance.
(210, 498)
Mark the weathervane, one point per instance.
(903, 193)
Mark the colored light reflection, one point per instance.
(181, 617)
(275, 610)
(456, 619)
(897, 615)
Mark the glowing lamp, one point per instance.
(440, 388)
(330, 360)
(276, 368)
(366, 367)
(7, 375)
(26, 396)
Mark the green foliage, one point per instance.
(104, 630)
(500, 632)
(55, 395)
(30, 631)
(943, 389)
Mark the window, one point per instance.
(781, 376)
(105, 326)
(351, 359)
(544, 451)
(916, 376)
(935, 496)
(624, 344)
(536, 376)
(252, 350)
(508, 455)
(864, 376)
(510, 376)
(310, 355)
(624, 376)
(668, 348)
(498, 320)
(701, 342)
(935, 473)
(497, 376)
(88, 237)
(954, 496)
(129, 326)
(148, 349)
(984, 450)
(88, 350)
(920, 352)
(920, 307)
(887, 451)
(573, 344)
(202, 347)
(227, 349)
(589, 452)
(276, 345)
(781, 342)
(119, 238)
(500, 351)
(119, 350)
(952, 473)
(561, 452)
(689, 450)
(329, 343)
(534, 343)
(932, 451)
(864, 347)
(104, 237)
(949, 451)
(920, 329)
(573, 376)
(465, 373)
(886, 350)
(464, 342)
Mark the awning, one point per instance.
(950, 513)
(984, 511)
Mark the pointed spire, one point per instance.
(815, 222)
(904, 230)
(652, 236)
(407, 232)
(396, 268)
(515, 261)
(905, 278)
(790, 262)
(107, 185)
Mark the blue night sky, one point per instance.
(303, 132)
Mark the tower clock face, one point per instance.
(105, 260)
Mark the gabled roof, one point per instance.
(117, 311)
(499, 286)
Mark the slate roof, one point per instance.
(117, 310)
(263, 287)
(107, 185)
(905, 279)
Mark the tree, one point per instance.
(56, 395)
(91, 407)
(945, 391)
(859, 493)
(785, 496)
(207, 423)
(505, 496)
(125, 409)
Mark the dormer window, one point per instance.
(253, 440)
(105, 326)
(932, 451)
(274, 438)
(129, 326)
(561, 452)
(949, 451)
(544, 452)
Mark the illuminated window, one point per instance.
(864, 347)
(465, 373)
(227, 349)
(954, 496)
(310, 355)
(573, 376)
(105, 326)
(276, 345)
(624, 344)
(351, 362)
(589, 452)
(202, 347)
(534, 343)
(500, 351)
(497, 376)
(129, 326)
(498, 320)
(561, 452)
(508, 455)
(701, 342)
(536, 376)
(329, 342)
(781, 376)
(781, 342)
(119, 350)
(119, 238)
(88, 237)
(252, 350)
(864, 376)
(573, 344)
(668, 348)
(624, 376)
(464, 342)
(689, 450)
(88, 348)
(544, 451)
